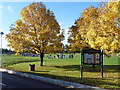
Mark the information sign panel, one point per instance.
(91, 57)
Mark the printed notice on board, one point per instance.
(97, 55)
(85, 57)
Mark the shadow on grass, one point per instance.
(98, 82)
(6, 64)
(41, 71)
(88, 68)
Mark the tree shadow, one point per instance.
(97, 82)
(89, 68)
(69, 67)
(41, 71)
(6, 64)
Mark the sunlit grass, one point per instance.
(69, 70)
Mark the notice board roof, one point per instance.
(91, 50)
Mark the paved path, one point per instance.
(47, 80)
(13, 81)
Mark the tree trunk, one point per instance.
(41, 56)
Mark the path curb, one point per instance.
(52, 81)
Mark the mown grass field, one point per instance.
(67, 69)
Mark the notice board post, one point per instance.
(91, 57)
(81, 66)
(102, 65)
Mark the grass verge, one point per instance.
(69, 70)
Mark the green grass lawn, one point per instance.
(67, 69)
(13, 59)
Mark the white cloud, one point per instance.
(1, 6)
(66, 36)
(10, 8)
(1, 30)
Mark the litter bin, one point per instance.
(32, 67)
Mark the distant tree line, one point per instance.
(7, 51)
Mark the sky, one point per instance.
(65, 13)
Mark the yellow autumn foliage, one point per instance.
(98, 28)
(37, 28)
(17, 53)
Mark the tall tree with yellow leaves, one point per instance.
(99, 28)
(37, 31)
